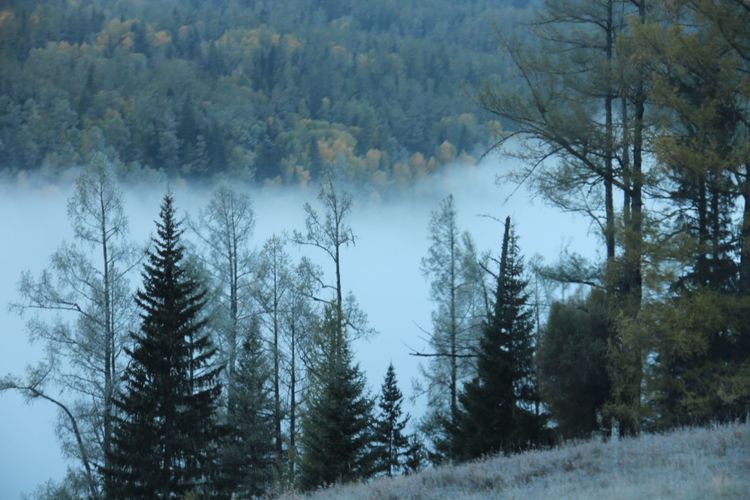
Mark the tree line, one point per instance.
(281, 92)
(643, 106)
(229, 371)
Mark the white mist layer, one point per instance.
(382, 270)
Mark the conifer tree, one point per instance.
(165, 436)
(497, 406)
(571, 362)
(336, 424)
(390, 440)
(248, 456)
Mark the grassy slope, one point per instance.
(687, 464)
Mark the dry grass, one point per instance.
(687, 464)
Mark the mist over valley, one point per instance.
(382, 270)
(262, 248)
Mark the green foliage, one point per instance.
(697, 88)
(337, 421)
(198, 88)
(571, 362)
(166, 433)
(701, 346)
(641, 102)
(499, 407)
(390, 443)
(693, 336)
(248, 456)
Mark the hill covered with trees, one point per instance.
(385, 89)
(642, 106)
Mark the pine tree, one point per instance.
(165, 435)
(336, 424)
(248, 456)
(390, 441)
(497, 406)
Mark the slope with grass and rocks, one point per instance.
(695, 463)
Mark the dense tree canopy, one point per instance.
(571, 363)
(641, 108)
(282, 90)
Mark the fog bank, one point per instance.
(382, 270)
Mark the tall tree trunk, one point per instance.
(636, 210)
(702, 270)
(293, 406)
(339, 301)
(715, 280)
(109, 349)
(609, 147)
(234, 313)
(453, 330)
(276, 366)
(626, 174)
(745, 236)
(632, 278)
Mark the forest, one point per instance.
(231, 371)
(274, 90)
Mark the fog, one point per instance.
(382, 270)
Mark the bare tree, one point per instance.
(33, 387)
(331, 233)
(284, 297)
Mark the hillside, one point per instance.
(383, 89)
(687, 464)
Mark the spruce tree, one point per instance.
(390, 441)
(248, 454)
(336, 424)
(165, 434)
(497, 406)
